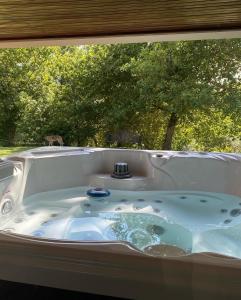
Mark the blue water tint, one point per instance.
(194, 221)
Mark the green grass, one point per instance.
(5, 151)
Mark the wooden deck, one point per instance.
(12, 291)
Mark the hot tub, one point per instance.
(171, 228)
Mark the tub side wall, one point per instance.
(201, 174)
(108, 270)
(55, 173)
(217, 173)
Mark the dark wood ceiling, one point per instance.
(31, 19)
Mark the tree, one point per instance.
(183, 77)
(21, 76)
(115, 87)
(159, 91)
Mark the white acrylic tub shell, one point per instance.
(193, 199)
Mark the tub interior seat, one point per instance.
(164, 250)
(133, 183)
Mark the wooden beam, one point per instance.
(117, 39)
(46, 19)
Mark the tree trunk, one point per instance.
(95, 141)
(172, 122)
(10, 136)
(79, 141)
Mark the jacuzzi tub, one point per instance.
(172, 229)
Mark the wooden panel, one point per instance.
(24, 19)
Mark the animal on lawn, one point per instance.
(54, 138)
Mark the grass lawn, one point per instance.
(4, 151)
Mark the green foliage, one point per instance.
(179, 95)
(181, 78)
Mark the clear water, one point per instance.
(189, 220)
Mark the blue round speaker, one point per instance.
(98, 192)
